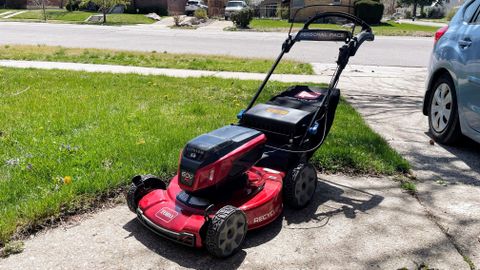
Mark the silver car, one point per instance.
(234, 6)
(452, 99)
(193, 5)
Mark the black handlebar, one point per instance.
(355, 19)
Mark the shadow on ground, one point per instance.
(315, 215)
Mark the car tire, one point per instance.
(443, 119)
(137, 191)
(299, 185)
(226, 232)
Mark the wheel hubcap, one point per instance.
(305, 186)
(232, 234)
(441, 108)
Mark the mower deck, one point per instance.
(164, 213)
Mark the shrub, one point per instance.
(243, 17)
(88, 6)
(200, 14)
(370, 11)
(177, 19)
(452, 13)
(408, 14)
(72, 5)
(283, 12)
(435, 12)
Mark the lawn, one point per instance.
(67, 137)
(149, 59)
(80, 17)
(389, 28)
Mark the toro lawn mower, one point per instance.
(238, 177)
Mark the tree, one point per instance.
(105, 5)
(415, 3)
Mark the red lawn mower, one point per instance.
(238, 177)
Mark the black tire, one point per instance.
(226, 18)
(443, 130)
(135, 193)
(226, 232)
(299, 186)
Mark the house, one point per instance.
(330, 6)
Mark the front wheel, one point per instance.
(443, 118)
(299, 185)
(141, 186)
(226, 231)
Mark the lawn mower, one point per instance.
(238, 177)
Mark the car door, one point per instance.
(469, 79)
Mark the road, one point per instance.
(384, 51)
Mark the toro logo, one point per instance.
(264, 217)
(166, 214)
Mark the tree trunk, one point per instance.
(414, 15)
(104, 16)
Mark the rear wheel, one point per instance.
(443, 112)
(226, 232)
(299, 185)
(141, 186)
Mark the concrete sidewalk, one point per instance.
(423, 23)
(323, 71)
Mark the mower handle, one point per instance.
(359, 39)
(352, 18)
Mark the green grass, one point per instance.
(149, 59)
(389, 28)
(54, 15)
(67, 137)
(80, 17)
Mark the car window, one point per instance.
(471, 11)
(234, 4)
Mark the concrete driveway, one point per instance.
(390, 100)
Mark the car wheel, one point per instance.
(141, 186)
(443, 112)
(299, 185)
(226, 232)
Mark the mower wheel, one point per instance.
(299, 185)
(226, 231)
(141, 186)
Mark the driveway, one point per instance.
(390, 100)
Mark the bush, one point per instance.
(200, 14)
(452, 13)
(73, 5)
(408, 14)
(370, 11)
(88, 6)
(283, 12)
(435, 12)
(243, 17)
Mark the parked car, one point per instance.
(234, 6)
(193, 5)
(452, 98)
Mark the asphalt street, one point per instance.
(384, 51)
